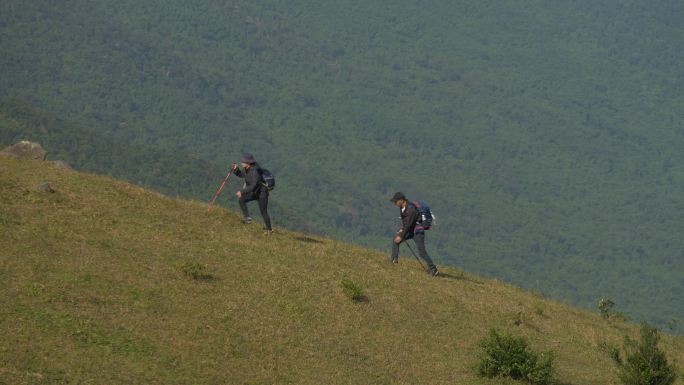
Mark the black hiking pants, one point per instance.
(262, 197)
(419, 239)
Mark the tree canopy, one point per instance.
(546, 136)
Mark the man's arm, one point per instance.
(236, 170)
(408, 217)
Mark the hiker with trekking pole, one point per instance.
(415, 219)
(258, 183)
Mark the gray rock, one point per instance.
(25, 150)
(45, 187)
(61, 164)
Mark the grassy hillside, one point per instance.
(546, 135)
(96, 289)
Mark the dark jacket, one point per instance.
(253, 186)
(409, 219)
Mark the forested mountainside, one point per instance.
(545, 136)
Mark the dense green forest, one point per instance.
(546, 136)
(177, 173)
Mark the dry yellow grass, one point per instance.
(94, 292)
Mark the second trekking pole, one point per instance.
(220, 189)
(414, 254)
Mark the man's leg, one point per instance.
(419, 239)
(263, 207)
(394, 257)
(243, 206)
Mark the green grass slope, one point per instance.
(95, 290)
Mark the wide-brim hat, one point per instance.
(247, 158)
(398, 196)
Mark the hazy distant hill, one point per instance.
(546, 136)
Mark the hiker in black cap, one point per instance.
(408, 230)
(252, 190)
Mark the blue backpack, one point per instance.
(425, 215)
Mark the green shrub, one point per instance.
(195, 270)
(644, 363)
(605, 306)
(612, 350)
(507, 356)
(352, 290)
(673, 324)
(607, 309)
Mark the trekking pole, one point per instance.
(220, 189)
(414, 254)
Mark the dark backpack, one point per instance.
(267, 179)
(425, 216)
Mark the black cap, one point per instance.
(397, 197)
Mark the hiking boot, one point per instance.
(395, 260)
(246, 220)
(433, 272)
(268, 232)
